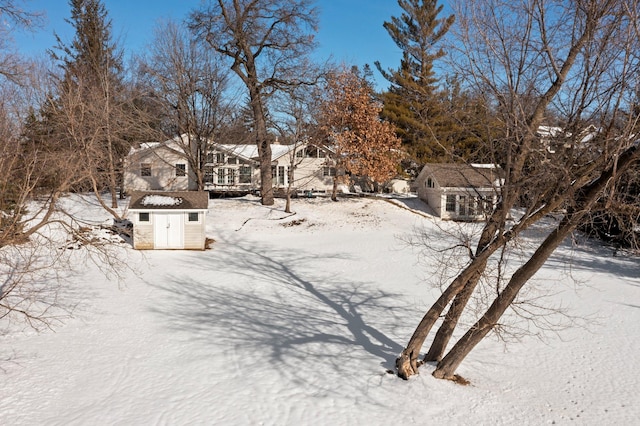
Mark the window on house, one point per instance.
(450, 205)
(430, 183)
(245, 174)
(300, 153)
(328, 171)
(208, 174)
(321, 153)
(221, 176)
(194, 217)
(210, 157)
(281, 175)
(274, 173)
(143, 217)
(232, 160)
(145, 169)
(220, 157)
(181, 169)
(231, 176)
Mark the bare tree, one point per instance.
(573, 60)
(296, 128)
(14, 17)
(188, 81)
(265, 41)
(35, 174)
(41, 242)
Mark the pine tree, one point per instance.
(89, 104)
(411, 102)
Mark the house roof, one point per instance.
(171, 144)
(451, 175)
(164, 200)
(250, 151)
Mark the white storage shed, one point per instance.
(169, 220)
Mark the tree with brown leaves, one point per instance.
(363, 145)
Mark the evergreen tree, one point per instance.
(90, 105)
(411, 102)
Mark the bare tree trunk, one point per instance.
(334, 191)
(446, 329)
(407, 362)
(262, 138)
(586, 197)
(266, 178)
(449, 364)
(111, 211)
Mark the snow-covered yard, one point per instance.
(295, 320)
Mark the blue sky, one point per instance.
(350, 30)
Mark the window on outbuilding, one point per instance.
(450, 205)
(143, 217)
(194, 217)
(462, 205)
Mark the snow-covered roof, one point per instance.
(549, 131)
(162, 200)
(250, 151)
(177, 144)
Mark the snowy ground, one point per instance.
(297, 324)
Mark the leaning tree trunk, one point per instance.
(465, 282)
(407, 362)
(447, 367)
(445, 331)
(587, 196)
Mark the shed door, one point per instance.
(168, 230)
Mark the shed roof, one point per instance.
(164, 200)
(452, 175)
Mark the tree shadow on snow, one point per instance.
(265, 301)
(591, 256)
